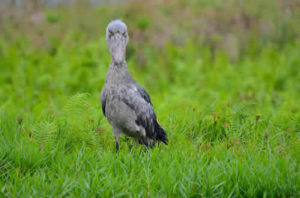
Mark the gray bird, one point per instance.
(126, 104)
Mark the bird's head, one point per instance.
(117, 39)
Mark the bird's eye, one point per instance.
(110, 33)
(124, 34)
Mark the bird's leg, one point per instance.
(116, 134)
(117, 143)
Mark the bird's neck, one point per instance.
(118, 63)
(118, 73)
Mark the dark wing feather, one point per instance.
(143, 93)
(103, 103)
(103, 100)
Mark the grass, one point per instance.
(233, 126)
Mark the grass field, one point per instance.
(233, 126)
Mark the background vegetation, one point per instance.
(224, 78)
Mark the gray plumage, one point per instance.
(125, 104)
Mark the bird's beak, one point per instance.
(118, 48)
(119, 54)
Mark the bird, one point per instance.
(126, 104)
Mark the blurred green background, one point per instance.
(223, 76)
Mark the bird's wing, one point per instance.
(143, 93)
(103, 99)
(135, 97)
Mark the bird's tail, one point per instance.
(161, 134)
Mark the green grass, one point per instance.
(233, 127)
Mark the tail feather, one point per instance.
(161, 134)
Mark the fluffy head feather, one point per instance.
(116, 27)
(117, 39)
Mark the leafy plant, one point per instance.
(46, 134)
